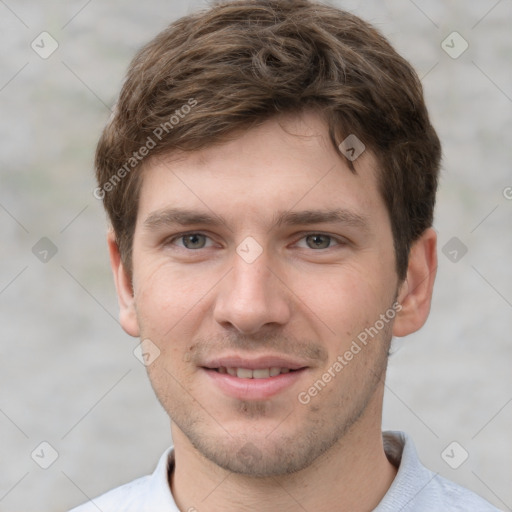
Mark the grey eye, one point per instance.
(318, 241)
(194, 241)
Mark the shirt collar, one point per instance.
(159, 491)
(412, 477)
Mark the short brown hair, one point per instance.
(240, 63)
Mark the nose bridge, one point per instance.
(252, 278)
(251, 297)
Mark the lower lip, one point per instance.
(253, 389)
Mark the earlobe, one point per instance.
(124, 289)
(415, 293)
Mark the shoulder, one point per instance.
(418, 489)
(126, 498)
(458, 498)
(146, 494)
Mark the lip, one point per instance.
(253, 389)
(256, 363)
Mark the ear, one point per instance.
(127, 313)
(415, 293)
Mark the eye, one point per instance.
(191, 241)
(319, 241)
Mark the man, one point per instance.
(270, 175)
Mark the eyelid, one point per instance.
(340, 241)
(173, 238)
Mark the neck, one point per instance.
(354, 475)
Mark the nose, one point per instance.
(253, 297)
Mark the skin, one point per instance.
(305, 297)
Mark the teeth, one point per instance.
(275, 371)
(243, 373)
(264, 373)
(246, 373)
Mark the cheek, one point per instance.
(168, 302)
(350, 305)
(346, 300)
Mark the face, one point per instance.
(257, 265)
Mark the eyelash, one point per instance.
(338, 241)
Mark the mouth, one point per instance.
(247, 373)
(253, 379)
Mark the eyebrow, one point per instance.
(181, 217)
(185, 217)
(337, 216)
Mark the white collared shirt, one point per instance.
(414, 489)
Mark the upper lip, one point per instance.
(254, 363)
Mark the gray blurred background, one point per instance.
(68, 376)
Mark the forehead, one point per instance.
(284, 164)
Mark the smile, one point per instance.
(253, 384)
(247, 373)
